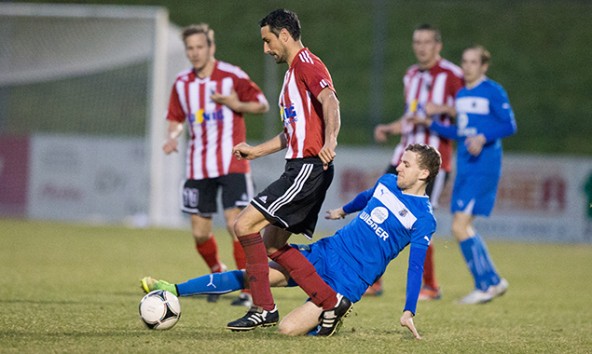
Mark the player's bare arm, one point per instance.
(335, 214)
(248, 152)
(432, 109)
(171, 143)
(233, 102)
(407, 321)
(330, 103)
(382, 131)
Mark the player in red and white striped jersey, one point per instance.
(430, 87)
(212, 97)
(306, 134)
(291, 204)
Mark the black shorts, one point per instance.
(293, 201)
(200, 196)
(434, 189)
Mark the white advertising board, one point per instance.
(87, 178)
(542, 199)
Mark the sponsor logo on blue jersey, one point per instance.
(373, 219)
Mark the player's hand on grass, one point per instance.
(407, 321)
(335, 214)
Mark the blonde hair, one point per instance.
(200, 28)
(485, 55)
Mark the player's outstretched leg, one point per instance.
(208, 250)
(330, 320)
(256, 317)
(220, 268)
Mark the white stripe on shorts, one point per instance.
(294, 189)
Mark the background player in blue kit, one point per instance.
(483, 117)
(393, 214)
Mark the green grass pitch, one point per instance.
(74, 289)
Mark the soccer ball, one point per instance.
(160, 309)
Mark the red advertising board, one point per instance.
(14, 174)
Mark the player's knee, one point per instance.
(455, 231)
(290, 328)
(238, 227)
(230, 227)
(459, 231)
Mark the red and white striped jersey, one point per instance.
(214, 128)
(438, 85)
(302, 113)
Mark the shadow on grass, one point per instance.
(49, 302)
(186, 333)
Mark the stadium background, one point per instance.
(540, 52)
(72, 288)
(539, 55)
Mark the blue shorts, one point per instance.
(332, 270)
(474, 194)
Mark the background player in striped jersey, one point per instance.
(484, 117)
(394, 213)
(310, 114)
(430, 88)
(212, 97)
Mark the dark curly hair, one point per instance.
(282, 18)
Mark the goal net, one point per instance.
(83, 91)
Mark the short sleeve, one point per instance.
(175, 111)
(316, 77)
(248, 91)
(423, 229)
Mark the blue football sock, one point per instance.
(470, 250)
(215, 283)
(492, 276)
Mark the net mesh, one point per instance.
(74, 75)
(83, 90)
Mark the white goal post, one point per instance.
(94, 69)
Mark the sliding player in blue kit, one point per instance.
(393, 214)
(483, 117)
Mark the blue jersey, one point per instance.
(482, 109)
(389, 221)
(358, 254)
